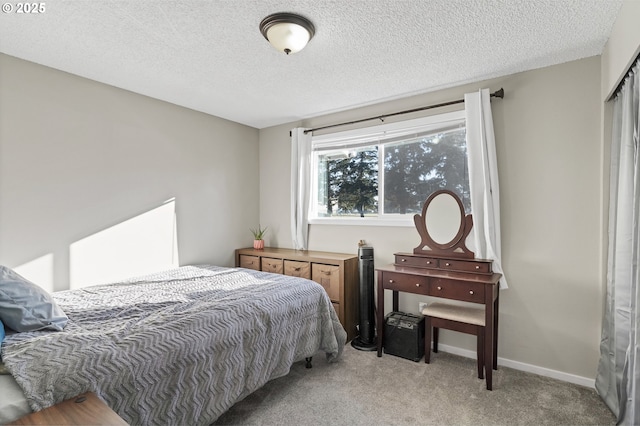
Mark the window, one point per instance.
(386, 172)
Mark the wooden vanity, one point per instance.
(444, 268)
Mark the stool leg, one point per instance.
(480, 335)
(436, 331)
(495, 331)
(427, 339)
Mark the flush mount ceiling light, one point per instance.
(287, 32)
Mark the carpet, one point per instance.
(362, 389)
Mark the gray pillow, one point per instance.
(26, 307)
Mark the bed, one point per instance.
(177, 347)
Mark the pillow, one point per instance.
(26, 307)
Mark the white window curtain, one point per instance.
(300, 175)
(483, 179)
(618, 375)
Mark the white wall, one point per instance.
(622, 48)
(81, 161)
(548, 136)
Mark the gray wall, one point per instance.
(78, 157)
(548, 137)
(622, 48)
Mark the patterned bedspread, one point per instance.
(179, 347)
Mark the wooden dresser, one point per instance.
(85, 409)
(336, 272)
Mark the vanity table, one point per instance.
(442, 266)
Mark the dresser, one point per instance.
(471, 287)
(336, 272)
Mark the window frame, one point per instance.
(371, 136)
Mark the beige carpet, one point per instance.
(362, 389)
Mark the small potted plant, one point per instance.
(258, 235)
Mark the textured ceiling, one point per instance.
(211, 57)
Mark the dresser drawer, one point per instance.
(336, 307)
(418, 261)
(328, 276)
(297, 269)
(468, 292)
(466, 266)
(274, 266)
(250, 262)
(404, 282)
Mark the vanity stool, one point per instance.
(464, 319)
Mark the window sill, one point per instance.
(408, 222)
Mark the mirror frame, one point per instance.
(454, 248)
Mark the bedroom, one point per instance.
(80, 157)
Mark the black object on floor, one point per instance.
(404, 335)
(366, 340)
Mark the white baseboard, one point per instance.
(517, 365)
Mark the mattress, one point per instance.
(13, 404)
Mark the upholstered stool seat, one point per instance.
(464, 319)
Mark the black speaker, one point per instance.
(404, 335)
(366, 339)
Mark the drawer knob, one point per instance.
(477, 267)
(471, 292)
(391, 281)
(439, 288)
(447, 264)
(297, 269)
(428, 262)
(417, 284)
(403, 260)
(326, 272)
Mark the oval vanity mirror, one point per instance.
(443, 218)
(443, 226)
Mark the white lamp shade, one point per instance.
(288, 36)
(287, 32)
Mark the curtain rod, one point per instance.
(497, 94)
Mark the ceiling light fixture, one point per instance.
(287, 32)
